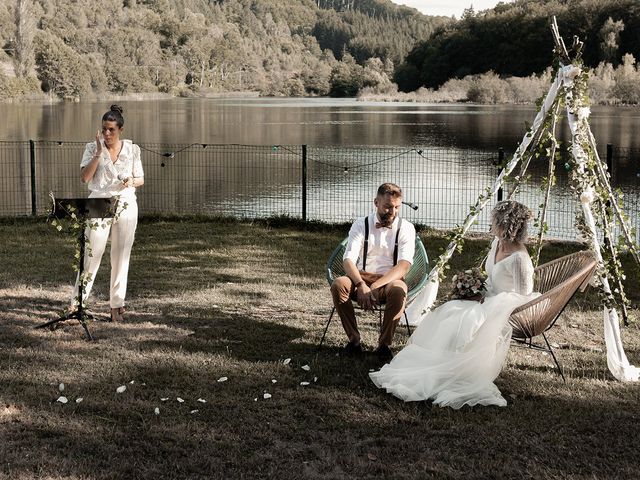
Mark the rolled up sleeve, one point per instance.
(407, 242)
(356, 241)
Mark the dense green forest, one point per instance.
(514, 39)
(72, 48)
(371, 48)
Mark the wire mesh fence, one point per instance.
(331, 184)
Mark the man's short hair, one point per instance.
(390, 189)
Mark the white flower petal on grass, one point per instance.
(315, 379)
(306, 368)
(61, 387)
(255, 399)
(62, 400)
(121, 388)
(273, 380)
(286, 361)
(156, 411)
(132, 382)
(222, 379)
(194, 411)
(304, 384)
(202, 400)
(180, 400)
(266, 396)
(79, 399)
(164, 399)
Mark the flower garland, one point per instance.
(72, 223)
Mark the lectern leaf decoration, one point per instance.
(72, 224)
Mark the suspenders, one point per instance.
(366, 243)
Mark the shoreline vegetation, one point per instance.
(619, 86)
(608, 85)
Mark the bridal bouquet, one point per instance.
(468, 285)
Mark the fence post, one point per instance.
(610, 160)
(32, 155)
(304, 183)
(500, 167)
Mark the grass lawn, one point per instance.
(218, 299)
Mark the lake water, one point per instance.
(344, 122)
(457, 145)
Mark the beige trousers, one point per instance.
(123, 232)
(393, 295)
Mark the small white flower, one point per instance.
(62, 400)
(273, 380)
(132, 382)
(468, 271)
(304, 384)
(202, 400)
(315, 379)
(164, 399)
(79, 399)
(121, 388)
(194, 411)
(266, 396)
(61, 387)
(286, 361)
(306, 368)
(180, 400)
(156, 411)
(222, 379)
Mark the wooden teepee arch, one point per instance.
(589, 181)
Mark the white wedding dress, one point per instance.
(458, 350)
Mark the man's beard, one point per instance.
(387, 219)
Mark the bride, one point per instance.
(458, 350)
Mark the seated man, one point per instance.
(379, 254)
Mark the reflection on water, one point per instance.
(458, 142)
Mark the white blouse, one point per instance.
(105, 182)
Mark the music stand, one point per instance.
(84, 209)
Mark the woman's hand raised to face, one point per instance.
(98, 143)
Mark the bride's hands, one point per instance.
(365, 297)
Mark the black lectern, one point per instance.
(85, 210)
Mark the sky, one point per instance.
(448, 7)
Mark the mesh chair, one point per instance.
(415, 279)
(557, 281)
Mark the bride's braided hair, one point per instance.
(511, 218)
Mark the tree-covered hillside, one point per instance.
(278, 47)
(515, 39)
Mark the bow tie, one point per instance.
(379, 225)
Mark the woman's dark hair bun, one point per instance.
(116, 108)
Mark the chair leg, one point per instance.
(554, 357)
(333, 310)
(406, 321)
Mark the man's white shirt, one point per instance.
(381, 244)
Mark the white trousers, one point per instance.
(123, 231)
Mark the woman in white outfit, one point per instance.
(459, 349)
(111, 167)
